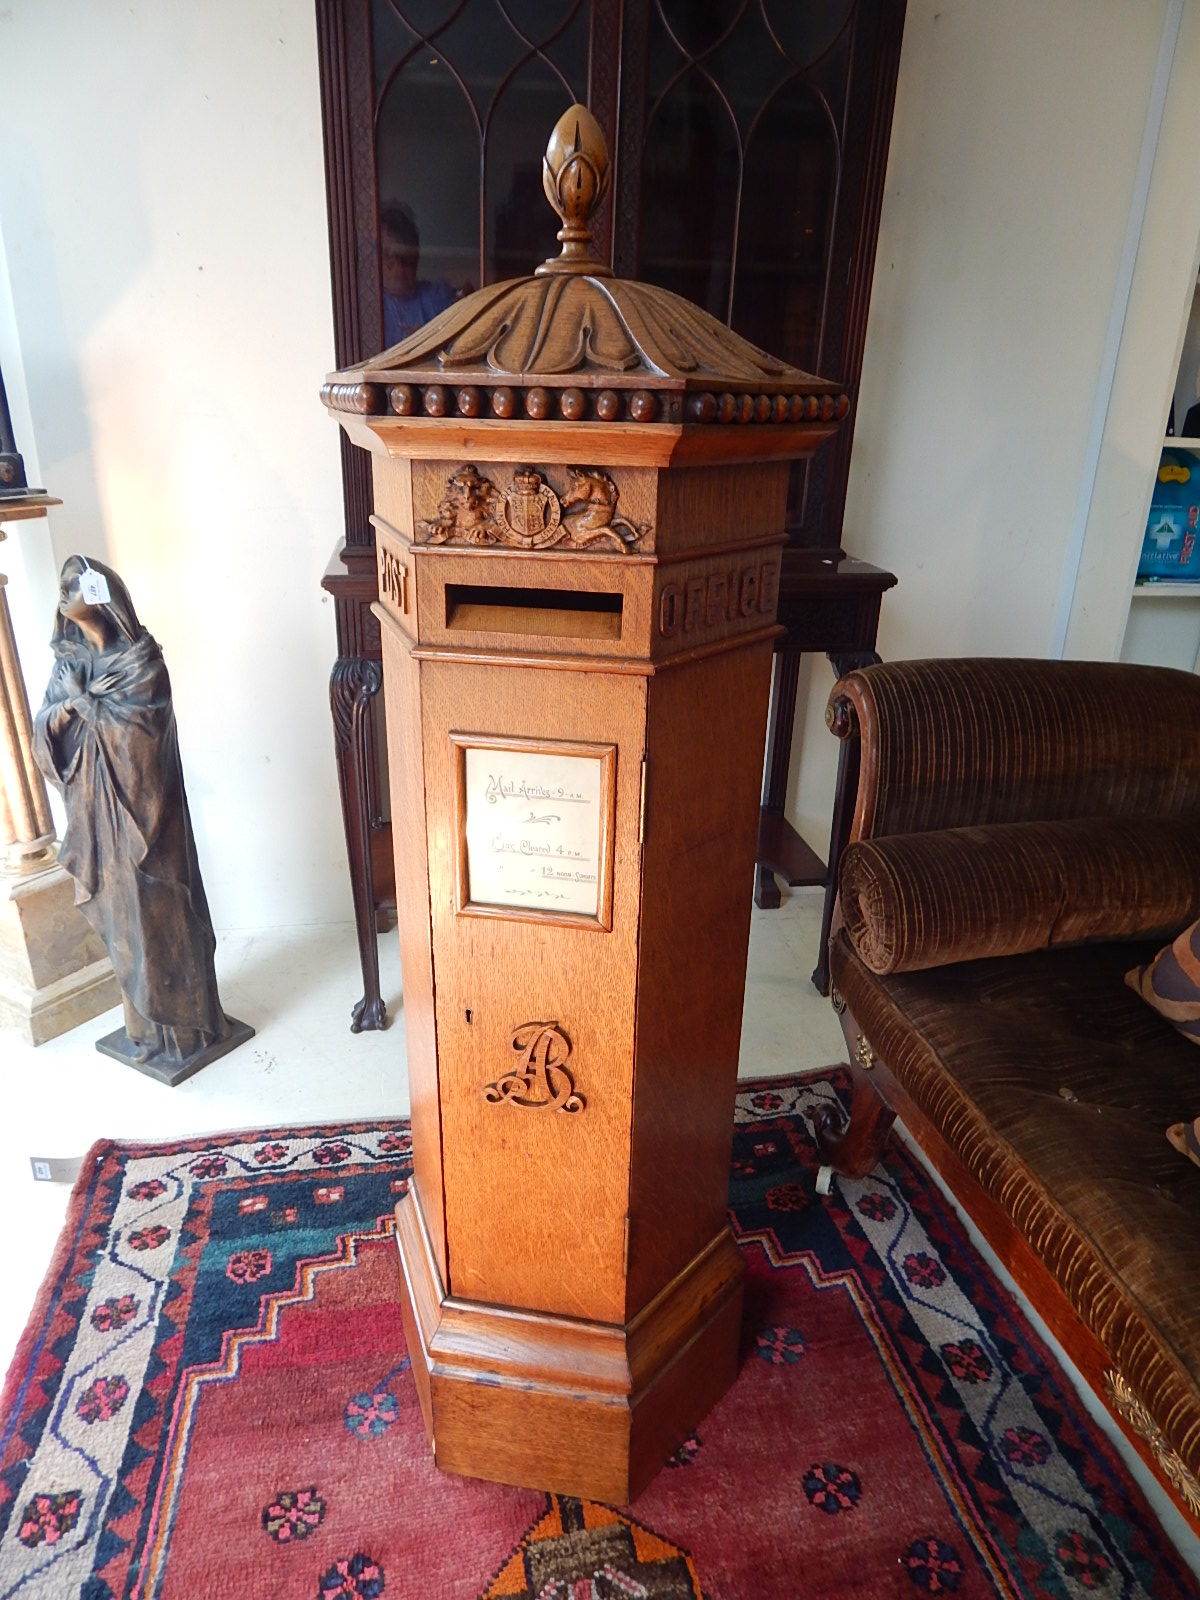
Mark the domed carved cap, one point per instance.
(578, 342)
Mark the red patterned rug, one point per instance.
(212, 1400)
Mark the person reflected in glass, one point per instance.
(408, 302)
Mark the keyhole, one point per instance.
(469, 1014)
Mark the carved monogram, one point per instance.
(540, 1081)
(530, 514)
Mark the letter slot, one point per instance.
(556, 613)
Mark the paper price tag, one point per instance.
(93, 586)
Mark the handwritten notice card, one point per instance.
(534, 823)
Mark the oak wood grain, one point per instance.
(636, 489)
(701, 505)
(406, 770)
(683, 1394)
(605, 444)
(706, 599)
(706, 726)
(580, 576)
(535, 1205)
(584, 1311)
(397, 578)
(541, 661)
(580, 1407)
(392, 480)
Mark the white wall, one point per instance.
(162, 208)
(163, 211)
(1156, 314)
(1015, 148)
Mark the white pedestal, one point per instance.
(54, 972)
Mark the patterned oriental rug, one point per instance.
(213, 1400)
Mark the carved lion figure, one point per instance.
(468, 511)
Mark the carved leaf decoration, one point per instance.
(547, 326)
(552, 326)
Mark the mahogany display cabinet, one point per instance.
(580, 485)
(750, 141)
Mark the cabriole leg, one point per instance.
(353, 684)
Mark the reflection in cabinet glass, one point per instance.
(475, 82)
(755, 96)
(750, 141)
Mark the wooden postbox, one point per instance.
(579, 488)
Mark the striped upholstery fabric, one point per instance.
(1054, 1085)
(922, 899)
(1046, 1074)
(952, 744)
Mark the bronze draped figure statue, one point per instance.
(106, 737)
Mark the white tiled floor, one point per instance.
(296, 987)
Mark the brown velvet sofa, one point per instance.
(1024, 833)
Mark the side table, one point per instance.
(829, 603)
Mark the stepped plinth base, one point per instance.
(581, 1408)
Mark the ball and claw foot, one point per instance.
(368, 1016)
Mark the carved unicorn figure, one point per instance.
(589, 510)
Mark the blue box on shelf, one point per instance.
(1170, 550)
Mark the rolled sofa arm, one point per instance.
(922, 900)
(960, 743)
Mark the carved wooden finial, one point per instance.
(575, 177)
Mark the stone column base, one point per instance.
(54, 971)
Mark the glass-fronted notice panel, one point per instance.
(535, 824)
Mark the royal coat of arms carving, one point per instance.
(530, 514)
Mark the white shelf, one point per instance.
(1167, 589)
(1163, 621)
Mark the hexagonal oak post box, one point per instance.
(579, 489)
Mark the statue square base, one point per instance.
(582, 1408)
(54, 971)
(121, 1048)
